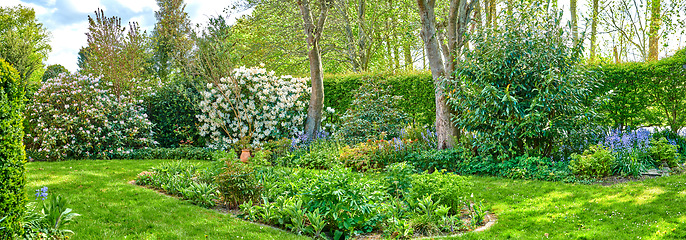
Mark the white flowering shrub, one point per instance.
(252, 103)
(74, 116)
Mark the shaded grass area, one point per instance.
(111, 208)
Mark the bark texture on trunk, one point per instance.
(572, 11)
(443, 54)
(314, 33)
(594, 29)
(654, 34)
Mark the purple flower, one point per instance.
(42, 193)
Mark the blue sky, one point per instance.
(67, 20)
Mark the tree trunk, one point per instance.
(436, 52)
(572, 11)
(409, 62)
(594, 29)
(654, 35)
(314, 33)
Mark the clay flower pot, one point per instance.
(245, 155)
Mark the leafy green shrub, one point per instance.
(629, 165)
(351, 202)
(377, 154)
(446, 187)
(597, 161)
(237, 183)
(200, 193)
(674, 139)
(12, 154)
(373, 114)
(172, 111)
(523, 89)
(74, 116)
(320, 154)
(663, 152)
(47, 221)
(456, 159)
(188, 181)
(536, 168)
(398, 178)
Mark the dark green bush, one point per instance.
(12, 154)
(597, 161)
(172, 111)
(53, 71)
(238, 183)
(461, 161)
(523, 89)
(373, 114)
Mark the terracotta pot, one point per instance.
(245, 155)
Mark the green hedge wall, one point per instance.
(12, 154)
(646, 94)
(416, 88)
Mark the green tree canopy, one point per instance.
(23, 41)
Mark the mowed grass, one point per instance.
(111, 208)
(650, 209)
(114, 209)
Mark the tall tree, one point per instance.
(119, 56)
(23, 41)
(314, 27)
(572, 12)
(442, 55)
(171, 37)
(594, 29)
(654, 33)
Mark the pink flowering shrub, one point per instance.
(76, 116)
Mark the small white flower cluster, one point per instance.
(253, 103)
(74, 116)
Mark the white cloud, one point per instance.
(9, 3)
(200, 11)
(86, 6)
(139, 5)
(66, 42)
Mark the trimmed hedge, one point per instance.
(646, 94)
(12, 153)
(416, 88)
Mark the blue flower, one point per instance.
(42, 193)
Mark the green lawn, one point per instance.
(113, 209)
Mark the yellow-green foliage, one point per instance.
(661, 151)
(12, 155)
(597, 161)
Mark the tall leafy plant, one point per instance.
(522, 88)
